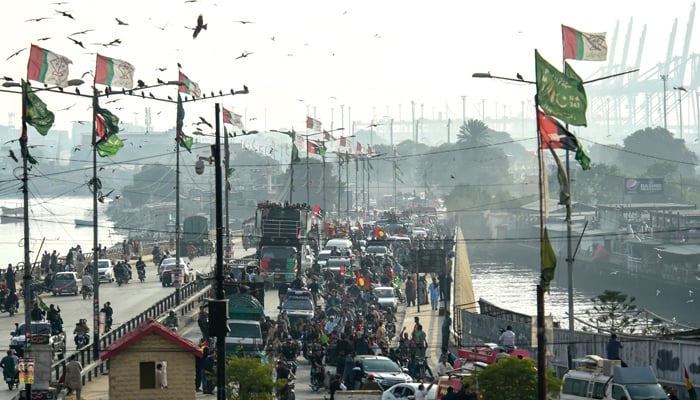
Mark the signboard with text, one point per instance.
(644, 186)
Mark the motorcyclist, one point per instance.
(141, 267)
(54, 317)
(290, 350)
(81, 329)
(171, 320)
(11, 301)
(86, 283)
(108, 312)
(122, 270)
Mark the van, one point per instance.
(598, 378)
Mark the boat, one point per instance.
(83, 222)
(16, 211)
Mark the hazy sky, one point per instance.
(367, 55)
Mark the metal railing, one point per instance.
(193, 292)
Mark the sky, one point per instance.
(372, 58)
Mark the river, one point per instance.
(512, 285)
(53, 221)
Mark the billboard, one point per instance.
(644, 185)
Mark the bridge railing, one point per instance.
(183, 302)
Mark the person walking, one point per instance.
(446, 325)
(73, 379)
(434, 291)
(410, 292)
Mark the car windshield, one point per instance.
(646, 391)
(244, 330)
(384, 292)
(376, 249)
(277, 252)
(380, 365)
(294, 304)
(102, 264)
(324, 256)
(338, 263)
(64, 277)
(37, 329)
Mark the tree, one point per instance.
(614, 311)
(648, 146)
(512, 378)
(473, 133)
(248, 379)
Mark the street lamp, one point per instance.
(663, 78)
(680, 90)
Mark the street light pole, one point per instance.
(680, 90)
(663, 78)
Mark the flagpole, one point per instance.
(95, 244)
(27, 278)
(541, 338)
(291, 171)
(307, 171)
(178, 141)
(227, 188)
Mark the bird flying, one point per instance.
(37, 19)
(13, 156)
(245, 22)
(81, 32)
(78, 42)
(243, 55)
(200, 25)
(65, 14)
(15, 53)
(120, 22)
(205, 122)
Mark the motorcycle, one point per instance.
(316, 382)
(81, 340)
(122, 278)
(390, 330)
(287, 393)
(422, 370)
(11, 309)
(142, 275)
(86, 292)
(12, 381)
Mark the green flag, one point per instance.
(549, 262)
(186, 142)
(229, 172)
(41, 304)
(295, 154)
(37, 115)
(106, 128)
(560, 94)
(110, 146)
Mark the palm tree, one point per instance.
(473, 133)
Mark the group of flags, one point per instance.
(52, 69)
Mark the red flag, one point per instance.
(313, 124)
(376, 231)
(554, 135)
(342, 141)
(317, 210)
(326, 135)
(228, 118)
(358, 149)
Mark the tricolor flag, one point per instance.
(584, 46)
(189, 87)
(315, 147)
(358, 149)
(326, 135)
(313, 124)
(228, 118)
(238, 120)
(342, 141)
(555, 136)
(692, 394)
(112, 72)
(47, 67)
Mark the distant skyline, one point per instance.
(369, 57)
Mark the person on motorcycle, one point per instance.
(171, 320)
(87, 283)
(284, 375)
(81, 332)
(108, 312)
(141, 268)
(54, 317)
(11, 302)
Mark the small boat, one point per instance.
(83, 222)
(16, 211)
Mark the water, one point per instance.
(54, 221)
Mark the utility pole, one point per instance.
(413, 121)
(464, 109)
(221, 334)
(663, 78)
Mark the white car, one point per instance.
(407, 391)
(385, 297)
(105, 270)
(323, 257)
(377, 251)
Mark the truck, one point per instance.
(195, 236)
(244, 337)
(598, 378)
(282, 229)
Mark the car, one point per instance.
(187, 274)
(385, 297)
(323, 257)
(65, 283)
(339, 264)
(39, 328)
(383, 370)
(380, 251)
(170, 260)
(340, 244)
(407, 391)
(298, 304)
(105, 270)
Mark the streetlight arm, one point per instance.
(488, 75)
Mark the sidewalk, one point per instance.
(432, 325)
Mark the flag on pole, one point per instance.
(228, 118)
(106, 128)
(113, 72)
(47, 67)
(295, 150)
(326, 135)
(313, 124)
(556, 136)
(189, 87)
(342, 141)
(692, 394)
(316, 147)
(36, 113)
(549, 262)
(584, 46)
(183, 140)
(358, 149)
(560, 95)
(369, 150)
(238, 120)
